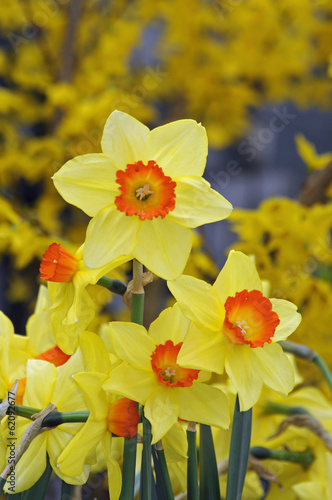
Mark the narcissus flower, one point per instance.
(72, 307)
(235, 327)
(108, 415)
(45, 384)
(144, 192)
(151, 375)
(38, 343)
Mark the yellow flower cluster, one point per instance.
(144, 193)
(292, 248)
(61, 80)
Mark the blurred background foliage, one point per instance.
(65, 65)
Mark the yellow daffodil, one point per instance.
(151, 375)
(45, 384)
(38, 343)
(108, 415)
(144, 192)
(72, 307)
(235, 327)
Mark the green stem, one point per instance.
(305, 458)
(54, 418)
(67, 491)
(310, 355)
(239, 452)
(208, 470)
(324, 369)
(146, 471)
(192, 477)
(128, 469)
(168, 490)
(26, 411)
(114, 286)
(130, 445)
(270, 407)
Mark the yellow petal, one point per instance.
(110, 235)
(175, 444)
(131, 382)
(243, 375)
(88, 182)
(31, 466)
(179, 148)
(132, 343)
(239, 273)
(66, 396)
(73, 458)
(161, 409)
(125, 139)
(163, 247)
(273, 367)
(96, 398)
(309, 490)
(203, 350)
(56, 443)
(95, 356)
(197, 203)
(171, 324)
(37, 394)
(6, 327)
(204, 404)
(68, 321)
(114, 478)
(289, 318)
(198, 302)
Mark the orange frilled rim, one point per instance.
(145, 191)
(122, 418)
(250, 319)
(168, 372)
(58, 264)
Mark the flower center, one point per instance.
(168, 372)
(58, 264)
(145, 191)
(122, 418)
(250, 319)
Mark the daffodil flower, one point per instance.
(108, 415)
(72, 307)
(151, 375)
(235, 327)
(45, 384)
(38, 343)
(144, 192)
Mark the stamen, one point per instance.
(170, 372)
(242, 325)
(143, 192)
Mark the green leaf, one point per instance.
(208, 471)
(67, 491)
(239, 452)
(192, 477)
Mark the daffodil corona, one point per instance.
(233, 326)
(144, 192)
